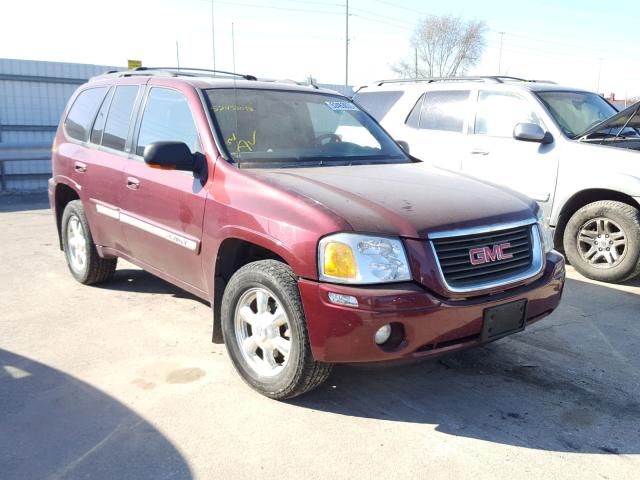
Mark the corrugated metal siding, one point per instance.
(30, 110)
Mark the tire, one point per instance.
(94, 269)
(618, 225)
(265, 368)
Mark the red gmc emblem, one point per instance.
(481, 255)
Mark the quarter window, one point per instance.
(82, 112)
(413, 120)
(167, 118)
(499, 112)
(98, 125)
(119, 117)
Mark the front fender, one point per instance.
(624, 183)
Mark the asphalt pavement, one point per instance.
(121, 381)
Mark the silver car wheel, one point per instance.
(77, 244)
(262, 331)
(602, 243)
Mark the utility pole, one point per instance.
(178, 54)
(416, 63)
(500, 57)
(213, 38)
(346, 47)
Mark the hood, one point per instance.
(629, 117)
(410, 200)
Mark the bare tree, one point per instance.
(443, 46)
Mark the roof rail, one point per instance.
(170, 72)
(483, 78)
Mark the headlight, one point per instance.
(356, 258)
(546, 234)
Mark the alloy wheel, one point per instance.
(77, 244)
(262, 331)
(602, 243)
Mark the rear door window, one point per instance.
(377, 104)
(82, 113)
(444, 110)
(167, 118)
(116, 127)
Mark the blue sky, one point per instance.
(569, 41)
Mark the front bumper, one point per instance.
(433, 326)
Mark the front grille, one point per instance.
(454, 255)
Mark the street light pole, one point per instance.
(346, 46)
(213, 38)
(599, 73)
(500, 57)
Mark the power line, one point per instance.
(380, 21)
(386, 17)
(272, 7)
(406, 25)
(401, 7)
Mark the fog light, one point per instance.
(341, 299)
(383, 334)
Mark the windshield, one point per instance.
(576, 112)
(261, 127)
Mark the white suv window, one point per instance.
(440, 110)
(499, 112)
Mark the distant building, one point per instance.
(619, 104)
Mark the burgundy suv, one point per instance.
(315, 237)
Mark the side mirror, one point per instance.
(530, 132)
(403, 145)
(171, 156)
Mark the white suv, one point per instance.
(566, 148)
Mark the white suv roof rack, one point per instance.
(484, 78)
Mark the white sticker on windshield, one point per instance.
(338, 106)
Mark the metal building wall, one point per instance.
(33, 95)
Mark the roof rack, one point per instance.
(170, 72)
(484, 78)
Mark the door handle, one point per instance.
(477, 151)
(80, 167)
(133, 183)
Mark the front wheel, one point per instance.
(265, 331)
(602, 241)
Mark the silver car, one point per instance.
(568, 149)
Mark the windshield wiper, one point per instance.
(320, 161)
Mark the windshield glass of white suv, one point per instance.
(576, 112)
(286, 128)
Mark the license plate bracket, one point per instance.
(503, 320)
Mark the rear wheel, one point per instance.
(265, 331)
(83, 260)
(602, 241)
